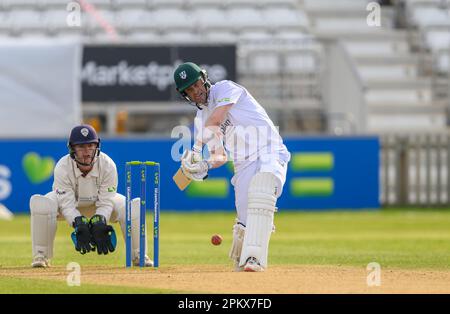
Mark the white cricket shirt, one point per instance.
(248, 131)
(74, 190)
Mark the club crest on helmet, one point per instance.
(183, 75)
(84, 132)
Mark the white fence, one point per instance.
(415, 169)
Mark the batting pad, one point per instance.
(43, 225)
(238, 240)
(261, 208)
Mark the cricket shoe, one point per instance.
(252, 265)
(147, 263)
(40, 261)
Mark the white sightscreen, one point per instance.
(40, 93)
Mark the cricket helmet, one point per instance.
(187, 74)
(83, 134)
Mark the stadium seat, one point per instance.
(290, 35)
(430, 16)
(54, 4)
(438, 39)
(173, 19)
(159, 4)
(220, 36)
(261, 3)
(284, 18)
(255, 35)
(5, 21)
(27, 20)
(348, 25)
(243, 3)
(404, 121)
(182, 37)
(206, 4)
(245, 18)
(336, 5)
(410, 3)
(103, 37)
(399, 96)
(144, 36)
(282, 3)
(300, 62)
(20, 4)
(94, 22)
(56, 20)
(101, 4)
(73, 36)
(264, 63)
(134, 20)
(209, 19)
(385, 47)
(442, 64)
(384, 72)
(131, 4)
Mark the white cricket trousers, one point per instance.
(241, 181)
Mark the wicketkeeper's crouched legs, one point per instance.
(44, 214)
(43, 211)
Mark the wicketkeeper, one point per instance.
(85, 195)
(229, 120)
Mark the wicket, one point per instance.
(142, 221)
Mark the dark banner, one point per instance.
(145, 73)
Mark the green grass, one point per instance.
(396, 238)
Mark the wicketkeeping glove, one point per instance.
(103, 235)
(82, 236)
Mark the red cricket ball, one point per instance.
(216, 239)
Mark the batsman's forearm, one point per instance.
(209, 135)
(216, 164)
(217, 158)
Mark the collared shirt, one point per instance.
(74, 190)
(249, 133)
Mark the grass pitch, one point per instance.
(401, 239)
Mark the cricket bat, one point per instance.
(181, 180)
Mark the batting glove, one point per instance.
(193, 167)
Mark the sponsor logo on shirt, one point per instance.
(60, 192)
(88, 199)
(224, 100)
(224, 125)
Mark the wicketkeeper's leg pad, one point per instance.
(261, 208)
(43, 211)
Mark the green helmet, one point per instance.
(186, 74)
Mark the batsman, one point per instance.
(232, 124)
(84, 194)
